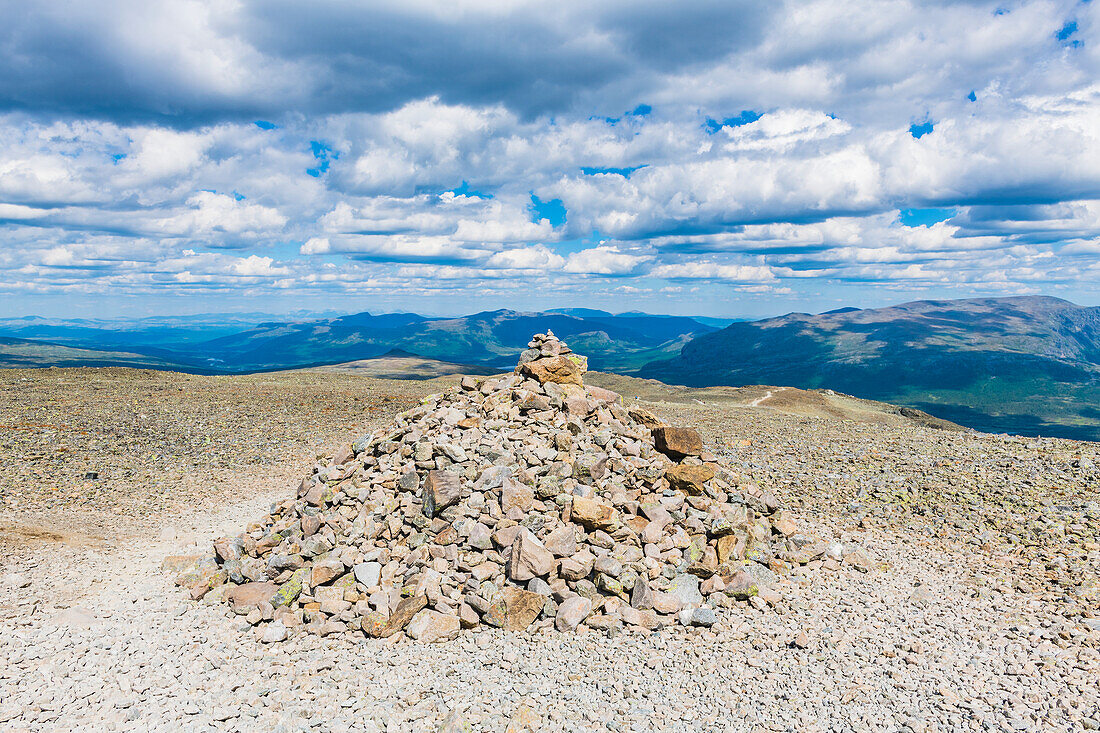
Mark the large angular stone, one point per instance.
(677, 443)
(731, 547)
(523, 607)
(577, 566)
(647, 619)
(741, 585)
(562, 541)
(441, 490)
(590, 467)
(686, 588)
(289, 591)
(600, 394)
(641, 597)
(368, 573)
(243, 598)
(557, 369)
(689, 479)
(572, 612)
(228, 548)
(431, 627)
(325, 570)
(481, 537)
(514, 495)
(594, 514)
(404, 613)
(529, 559)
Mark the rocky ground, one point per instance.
(980, 612)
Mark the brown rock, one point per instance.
(243, 598)
(404, 613)
(558, 369)
(523, 606)
(374, 624)
(594, 514)
(467, 616)
(731, 548)
(577, 406)
(441, 490)
(562, 542)
(343, 454)
(741, 585)
(529, 559)
(310, 525)
(666, 602)
(783, 523)
(647, 619)
(325, 570)
(577, 566)
(448, 536)
(688, 478)
(600, 394)
(318, 494)
(431, 627)
(644, 416)
(227, 548)
(677, 443)
(514, 495)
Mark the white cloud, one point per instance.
(105, 181)
(604, 260)
(713, 271)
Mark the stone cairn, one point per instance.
(524, 501)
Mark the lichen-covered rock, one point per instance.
(290, 590)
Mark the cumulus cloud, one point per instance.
(605, 151)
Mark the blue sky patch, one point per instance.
(265, 125)
(924, 217)
(641, 110)
(324, 155)
(972, 96)
(465, 190)
(624, 172)
(1064, 34)
(920, 129)
(552, 210)
(746, 117)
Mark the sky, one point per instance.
(726, 158)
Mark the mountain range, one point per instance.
(621, 342)
(1027, 365)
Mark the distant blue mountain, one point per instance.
(1028, 365)
(232, 344)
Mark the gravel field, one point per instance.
(981, 611)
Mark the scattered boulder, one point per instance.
(677, 443)
(691, 479)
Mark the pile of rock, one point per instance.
(519, 501)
